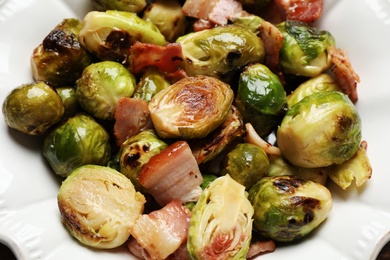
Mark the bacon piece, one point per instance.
(272, 40)
(306, 11)
(173, 174)
(166, 58)
(176, 76)
(260, 247)
(202, 24)
(215, 11)
(161, 232)
(253, 138)
(131, 117)
(345, 75)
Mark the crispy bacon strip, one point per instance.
(260, 247)
(306, 11)
(272, 40)
(131, 117)
(345, 75)
(253, 138)
(166, 58)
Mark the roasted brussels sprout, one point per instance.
(304, 50)
(260, 98)
(246, 164)
(287, 208)
(134, 6)
(99, 206)
(322, 129)
(69, 99)
(78, 141)
(59, 59)
(168, 18)
(221, 222)
(191, 108)
(100, 87)
(251, 22)
(220, 51)
(136, 151)
(322, 82)
(32, 108)
(109, 35)
(151, 82)
(357, 168)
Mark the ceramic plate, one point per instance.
(359, 223)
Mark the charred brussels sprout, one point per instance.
(220, 51)
(191, 108)
(322, 82)
(99, 206)
(246, 164)
(78, 141)
(221, 222)
(100, 87)
(69, 99)
(261, 98)
(32, 108)
(168, 18)
(320, 130)
(304, 50)
(136, 151)
(287, 208)
(109, 35)
(59, 59)
(151, 82)
(134, 6)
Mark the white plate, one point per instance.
(359, 224)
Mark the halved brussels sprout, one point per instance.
(151, 82)
(99, 206)
(246, 164)
(100, 87)
(59, 59)
(251, 22)
(191, 108)
(304, 50)
(69, 99)
(32, 108)
(287, 208)
(220, 51)
(135, 152)
(78, 141)
(322, 82)
(261, 98)
(134, 6)
(322, 129)
(168, 18)
(109, 35)
(221, 222)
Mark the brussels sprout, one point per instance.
(304, 50)
(191, 108)
(151, 82)
(168, 18)
(322, 82)
(261, 98)
(136, 151)
(32, 108)
(134, 6)
(246, 164)
(357, 168)
(69, 99)
(219, 51)
(59, 59)
(221, 222)
(287, 208)
(322, 129)
(251, 22)
(109, 35)
(100, 87)
(278, 166)
(78, 141)
(99, 206)
(207, 180)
